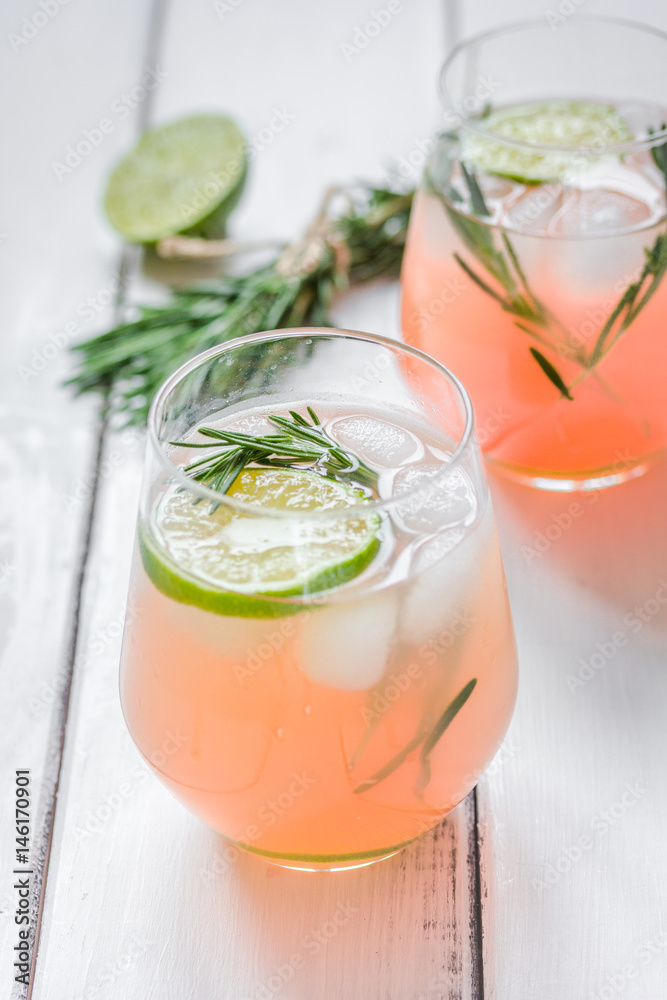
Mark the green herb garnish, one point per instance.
(297, 443)
(133, 359)
(551, 373)
(501, 264)
(429, 739)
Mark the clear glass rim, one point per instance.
(530, 24)
(157, 410)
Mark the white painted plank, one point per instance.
(58, 264)
(579, 809)
(153, 905)
(582, 764)
(487, 14)
(148, 902)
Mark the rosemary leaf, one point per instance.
(429, 739)
(479, 281)
(551, 373)
(391, 765)
(447, 717)
(476, 196)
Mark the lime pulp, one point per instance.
(586, 125)
(185, 177)
(232, 563)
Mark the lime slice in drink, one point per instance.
(552, 123)
(182, 178)
(228, 562)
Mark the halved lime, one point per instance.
(185, 177)
(550, 123)
(228, 562)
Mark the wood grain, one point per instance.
(60, 277)
(141, 900)
(150, 904)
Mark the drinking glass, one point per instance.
(319, 671)
(536, 256)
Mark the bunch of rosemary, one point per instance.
(364, 241)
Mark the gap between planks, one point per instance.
(55, 748)
(41, 846)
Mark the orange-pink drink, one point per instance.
(536, 260)
(329, 728)
(616, 420)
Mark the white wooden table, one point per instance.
(551, 881)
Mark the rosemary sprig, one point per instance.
(633, 301)
(516, 297)
(364, 242)
(438, 730)
(428, 739)
(297, 443)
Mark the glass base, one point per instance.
(572, 482)
(324, 862)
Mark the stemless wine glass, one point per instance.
(537, 250)
(334, 649)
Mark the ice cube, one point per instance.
(596, 212)
(251, 423)
(233, 639)
(533, 211)
(436, 604)
(495, 188)
(375, 441)
(347, 645)
(439, 498)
